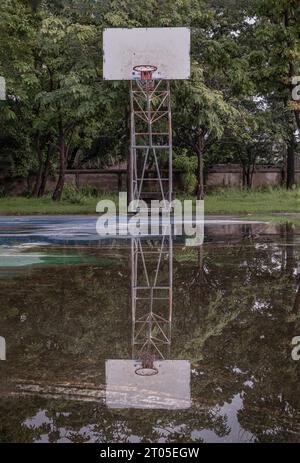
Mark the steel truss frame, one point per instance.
(151, 297)
(151, 141)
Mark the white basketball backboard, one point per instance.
(2, 88)
(169, 389)
(167, 48)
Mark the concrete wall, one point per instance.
(102, 182)
(231, 175)
(224, 175)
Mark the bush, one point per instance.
(79, 196)
(89, 191)
(3, 192)
(188, 166)
(73, 195)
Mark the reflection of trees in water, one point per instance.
(74, 317)
(245, 324)
(31, 419)
(236, 308)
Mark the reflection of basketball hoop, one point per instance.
(146, 371)
(147, 367)
(146, 75)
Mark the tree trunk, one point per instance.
(297, 117)
(72, 161)
(40, 169)
(46, 170)
(290, 167)
(200, 176)
(57, 194)
(290, 162)
(246, 177)
(252, 173)
(250, 179)
(38, 181)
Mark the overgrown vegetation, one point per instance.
(187, 165)
(237, 106)
(223, 201)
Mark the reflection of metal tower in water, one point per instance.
(151, 137)
(151, 298)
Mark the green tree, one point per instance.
(201, 117)
(275, 61)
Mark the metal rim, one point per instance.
(141, 371)
(145, 68)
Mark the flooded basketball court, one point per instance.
(213, 325)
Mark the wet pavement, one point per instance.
(81, 313)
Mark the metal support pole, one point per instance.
(170, 146)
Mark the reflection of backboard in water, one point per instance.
(169, 389)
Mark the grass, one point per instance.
(24, 206)
(253, 202)
(226, 201)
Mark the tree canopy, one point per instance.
(236, 107)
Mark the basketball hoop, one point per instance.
(145, 70)
(146, 75)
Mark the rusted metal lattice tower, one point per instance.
(151, 141)
(151, 297)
